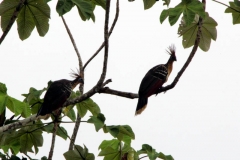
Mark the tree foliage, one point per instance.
(36, 13)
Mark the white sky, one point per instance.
(198, 119)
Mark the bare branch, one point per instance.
(77, 124)
(74, 44)
(194, 49)
(53, 140)
(109, 34)
(18, 124)
(12, 20)
(75, 131)
(107, 90)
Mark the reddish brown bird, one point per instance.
(57, 94)
(154, 79)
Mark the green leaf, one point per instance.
(61, 132)
(235, 13)
(164, 15)
(33, 13)
(71, 114)
(30, 139)
(41, 14)
(121, 132)
(3, 101)
(18, 107)
(110, 149)
(79, 153)
(101, 3)
(3, 88)
(16, 147)
(189, 33)
(25, 23)
(165, 157)
(85, 8)
(237, 3)
(174, 14)
(148, 3)
(147, 149)
(109, 143)
(189, 9)
(7, 7)
(86, 105)
(64, 6)
(97, 121)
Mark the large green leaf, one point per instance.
(79, 153)
(189, 10)
(32, 13)
(28, 137)
(3, 88)
(110, 149)
(152, 154)
(86, 105)
(235, 13)
(189, 33)
(165, 157)
(18, 107)
(115, 150)
(121, 132)
(64, 6)
(85, 9)
(147, 149)
(7, 7)
(98, 121)
(41, 14)
(31, 137)
(61, 132)
(148, 3)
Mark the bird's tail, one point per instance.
(142, 104)
(43, 113)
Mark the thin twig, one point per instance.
(107, 90)
(53, 140)
(226, 6)
(194, 49)
(75, 131)
(110, 32)
(74, 44)
(12, 20)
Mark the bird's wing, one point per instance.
(55, 96)
(153, 80)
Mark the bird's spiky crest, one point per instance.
(171, 50)
(75, 74)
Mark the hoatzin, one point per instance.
(57, 94)
(154, 79)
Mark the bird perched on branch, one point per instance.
(154, 79)
(57, 94)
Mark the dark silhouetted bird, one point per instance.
(57, 94)
(154, 79)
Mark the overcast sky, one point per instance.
(198, 119)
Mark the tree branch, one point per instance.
(77, 124)
(226, 6)
(109, 34)
(55, 127)
(12, 20)
(18, 124)
(74, 44)
(107, 90)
